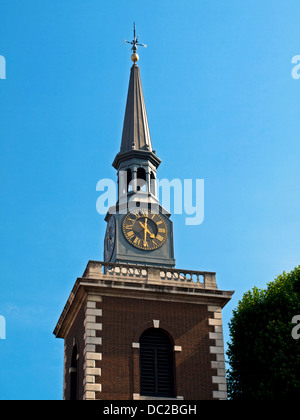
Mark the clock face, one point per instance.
(144, 230)
(109, 242)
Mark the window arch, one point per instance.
(156, 364)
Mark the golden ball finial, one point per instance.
(135, 57)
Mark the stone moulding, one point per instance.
(143, 282)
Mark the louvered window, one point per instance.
(156, 364)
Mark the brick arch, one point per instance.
(149, 324)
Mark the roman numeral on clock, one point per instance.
(137, 241)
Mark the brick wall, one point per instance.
(124, 320)
(107, 329)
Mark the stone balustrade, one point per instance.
(150, 274)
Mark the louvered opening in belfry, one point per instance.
(141, 180)
(156, 364)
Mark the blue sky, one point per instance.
(222, 106)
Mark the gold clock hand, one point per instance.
(146, 227)
(143, 226)
(146, 230)
(145, 233)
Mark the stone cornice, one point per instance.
(140, 282)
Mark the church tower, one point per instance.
(134, 326)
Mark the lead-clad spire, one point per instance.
(136, 134)
(136, 146)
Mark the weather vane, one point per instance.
(135, 44)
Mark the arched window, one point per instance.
(73, 374)
(141, 180)
(152, 183)
(129, 179)
(156, 364)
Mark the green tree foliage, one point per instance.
(264, 358)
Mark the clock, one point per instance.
(145, 230)
(109, 242)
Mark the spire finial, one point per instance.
(135, 44)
